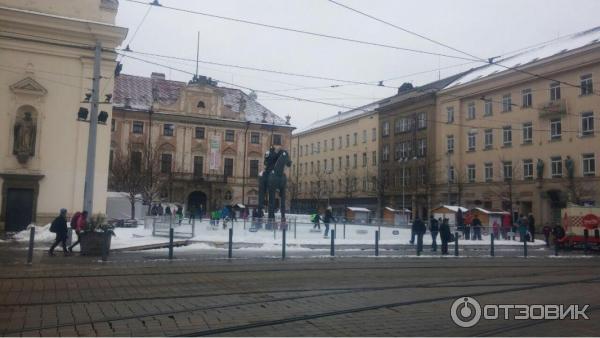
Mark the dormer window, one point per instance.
(201, 105)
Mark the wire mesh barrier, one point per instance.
(182, 227)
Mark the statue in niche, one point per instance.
(540, 169)
(24, 138)
(570, 165)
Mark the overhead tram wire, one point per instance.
(299, 31)
(488, 61)
(344, 106)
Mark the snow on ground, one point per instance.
(300, 238)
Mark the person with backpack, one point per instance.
(59, 227)
(79, 225)
(327, 219)
(434, 228)
(315, 219)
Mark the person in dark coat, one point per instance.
(476, 228)
(413, 233)
(327, 219)
(59, 227)
(168, 211)
(547, 230)
(420, 230)
(434, 228)
(445, 235)
(531, 221)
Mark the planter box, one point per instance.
(92, 243)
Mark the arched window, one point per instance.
(201, 105)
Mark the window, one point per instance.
(332, 165)
(340, 163)
(405, 176)
(340, 142)
(422, 147)
(398, 149)
(355, 161)
(312, 148)
(489, 139)
(554, 91)
(277, 139)
(422, 174)
(355, 138)
(506, 103)
(450, 114)
(555, 129)
(319, 147)
(421, 121)
(374, 134)
(527, 133)
(253, 168)
(386, 152)
(347, 140)
(451, 174)
(113, 124)
(228, 167)
(347, 161)
(488, 108)
(471, 111)
(254, 138)
(471, 141)
(587, 85)
(398, 126)
(364, 160)
(312, 167)
(556, 166)
(507, 136)
(318, 166)
(136, 161)
(374, 158)
(587, 123)
(489, 172)
(589, 164)
(364, 136)
(471, 173)
(168, 129)
(229, 135)
(165, 163)
(198, 166)
(527, 98)
(325, 146)
(137, 127)
(386, 128)
(450, 143)
(332, 143)
(528, 169)
(199, 132)
(507, 170)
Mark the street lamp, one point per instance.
(328, 172)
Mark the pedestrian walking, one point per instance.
(547, 230)
(496, 229)
(476, 228)
(80, 224)
(327, 219)
(523, 228)
(168, 211)
(531, 221)
(413, 233)
(445, 235)
(179, 214)
(59, 227)
(316, 220)
(420, 230)
(434, 228)
(506, 226)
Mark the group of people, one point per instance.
(226, 214)
(327, 218)
(59, 227)
(437, 227)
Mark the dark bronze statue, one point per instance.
(540, 169)
(273, 179)
(24, 138)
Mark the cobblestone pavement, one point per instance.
(143, 294)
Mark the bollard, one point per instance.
(555, 247)
(105, 245)
(332, 251)
(335, 228)
(244, 223)
(171, 233)
(274, 230)
(586, 235)
(376, 243)
(344, 230)
(492, 245)
(283, 244)
(230, 248)
(525, 248)
(31, 240)
(295, 226)
(154, 227)
(194, 227)
(456, 244)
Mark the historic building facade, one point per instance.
(509, 140)
(335, 162)
(209, 141)
(408, 163)
(42, 84)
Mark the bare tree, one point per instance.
(318, 190)
(349, 182)
(504, 186)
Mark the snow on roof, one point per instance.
(406, 211)
(523, 57)
(359, 209)
(342, 116)
(453, 208)
(491, 212)
(138, 89)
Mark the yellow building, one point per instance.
(46, 67)
(335, 162)
(523, 140)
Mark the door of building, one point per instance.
(19, 209)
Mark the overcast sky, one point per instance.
(482, 28)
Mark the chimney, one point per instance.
(128, 102)
(157, 76)
(405, 87)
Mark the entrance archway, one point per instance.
(196, 201)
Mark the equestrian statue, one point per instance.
(273, 179)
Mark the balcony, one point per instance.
(553, 109)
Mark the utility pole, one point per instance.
(448, 171)
(245, 160)
(88, 192)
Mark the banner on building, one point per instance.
(215, 153)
